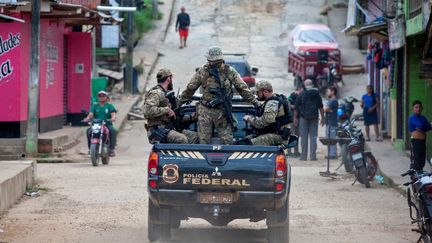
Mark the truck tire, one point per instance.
(363, 173)
(345, 158)
(175, 223)
(94, 154)
(155, 230)
(280, 233)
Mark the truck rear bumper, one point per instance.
(248, 199)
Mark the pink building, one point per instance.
(65, 66)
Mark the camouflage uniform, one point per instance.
(156, 107)
(209, 118)
(270, 112)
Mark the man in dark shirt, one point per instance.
(331, 119)
(182, 26)
(308, 104)
(418, 126)
(295, 128)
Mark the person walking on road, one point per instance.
(370, 103)
(182, 26)
(418, 126)
(331, 119)
(308, 105)
(217, 81)
(295, 128)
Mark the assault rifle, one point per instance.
(221, 97)
(176, 123)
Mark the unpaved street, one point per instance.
(109, 203)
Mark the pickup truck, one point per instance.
(219, 183)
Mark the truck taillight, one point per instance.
(153, 163)
(281, 167)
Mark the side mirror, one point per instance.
(254, 71)
(292, 142)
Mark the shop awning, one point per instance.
(374, 27)
(6, 7)
(377, 26)
(7, 18)
(79, 15)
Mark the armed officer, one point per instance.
(273, 118)
(160, 114)
(214, 110)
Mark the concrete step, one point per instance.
(15, 177)
(11, 148)
(60, 140)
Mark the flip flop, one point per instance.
(379, 140)
(368, 140)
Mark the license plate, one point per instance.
(357, 156)
(215, 198)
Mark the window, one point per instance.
(316, 36)
(414, 8)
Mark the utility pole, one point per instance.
(33, 85)
(155, 12)
(129, 52)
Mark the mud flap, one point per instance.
(158, 215)
(278, 217)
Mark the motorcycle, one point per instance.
(346, 108)
(421, 184)
(327, 79)
(363, 161)
(99, 142)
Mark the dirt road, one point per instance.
(109, 203)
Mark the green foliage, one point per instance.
(143, 19)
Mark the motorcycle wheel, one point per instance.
(363, 174)
(345, 158)
(424, 226)
(426, 239)
(372, 165)
(94, 154)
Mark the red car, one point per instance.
(313, 53)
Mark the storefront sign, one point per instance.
(8, 56)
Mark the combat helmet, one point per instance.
(264, 85)
(214, 54)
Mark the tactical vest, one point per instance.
(210, 82)
(282, 120)
(162, 120)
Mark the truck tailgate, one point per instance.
(216, 167)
